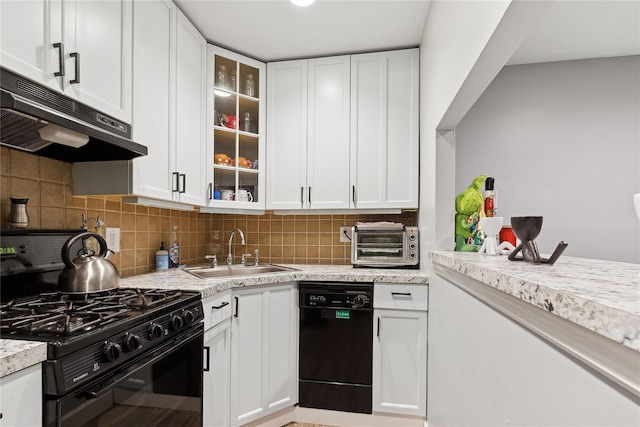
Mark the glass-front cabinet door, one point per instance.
(236, 127)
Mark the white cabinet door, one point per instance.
(28, 31)
(21, 398)
(98, 54)
(217, 373)
(81, 48)
(328, 133)
(264, 352)
(384, 129)
(190, 113)
(400, 362)
(153, 111)
(287, 135)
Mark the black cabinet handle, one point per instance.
(302, 195)
(174, 185)
(236, 313)
(224, 304)
(309, 194)
(402, 294)
(353, 194)
(184, 183)
(60, 48)
(76, 56)
(210, 191)
(378, 333)
(206, 358)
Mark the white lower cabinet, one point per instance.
(400, 349)
(263, 351)
(16, 407)
(216, 381)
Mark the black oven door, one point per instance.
(161, 388)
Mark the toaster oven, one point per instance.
(384, 245)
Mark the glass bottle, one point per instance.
(250, 86)
(246, 122)
(222, 76)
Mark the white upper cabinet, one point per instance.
(308, 134)
(81, 48)
(384, 129)
(169, 104)
(169, 116)
(29, 31)
(190, 124)
(343, 133)
(153, 34)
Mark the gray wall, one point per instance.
(562, 140)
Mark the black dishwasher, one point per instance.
(336, 346)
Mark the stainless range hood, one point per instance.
(39, 120)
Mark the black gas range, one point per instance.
(120, 353)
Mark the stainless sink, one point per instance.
(236, 270)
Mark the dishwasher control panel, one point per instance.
(337, 297)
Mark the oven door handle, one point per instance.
(165, 349)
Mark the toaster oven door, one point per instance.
(378, 248)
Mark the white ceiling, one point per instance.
(583, 29)
(271, 30)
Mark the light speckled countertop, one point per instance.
(16, 355)
(19, 354)
(602, 296)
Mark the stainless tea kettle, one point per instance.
(90, 272)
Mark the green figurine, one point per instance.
(468, 210)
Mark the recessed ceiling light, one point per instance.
(302, 2)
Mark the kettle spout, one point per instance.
(109, 254)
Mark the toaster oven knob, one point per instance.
(176, 322)
(131, 342)
(155, 331)
(111, 351)
(188, 317)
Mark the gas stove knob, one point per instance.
(155, 331)
(176, 322)
(111, 351)
(188, 317)
(358, 301)
(131, 342)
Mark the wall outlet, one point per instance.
(345, 234)
(113, 239)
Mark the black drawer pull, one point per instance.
(206, 369)
(378, 333)
(76, 56)
(401, 294)
(60, 48)
(218, 307)
(236, 313)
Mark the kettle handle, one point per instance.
(67, 247)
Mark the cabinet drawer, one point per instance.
(401, 296)
(216, 309)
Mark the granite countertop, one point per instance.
(19, 354)
(602, 296)
(178, 279)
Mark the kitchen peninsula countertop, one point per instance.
(602, 296)
(20, 354)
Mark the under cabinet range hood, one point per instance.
(41, 121)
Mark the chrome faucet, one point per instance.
(229, 256)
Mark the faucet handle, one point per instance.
(243, 261)
(255, 257)
(214, 260)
